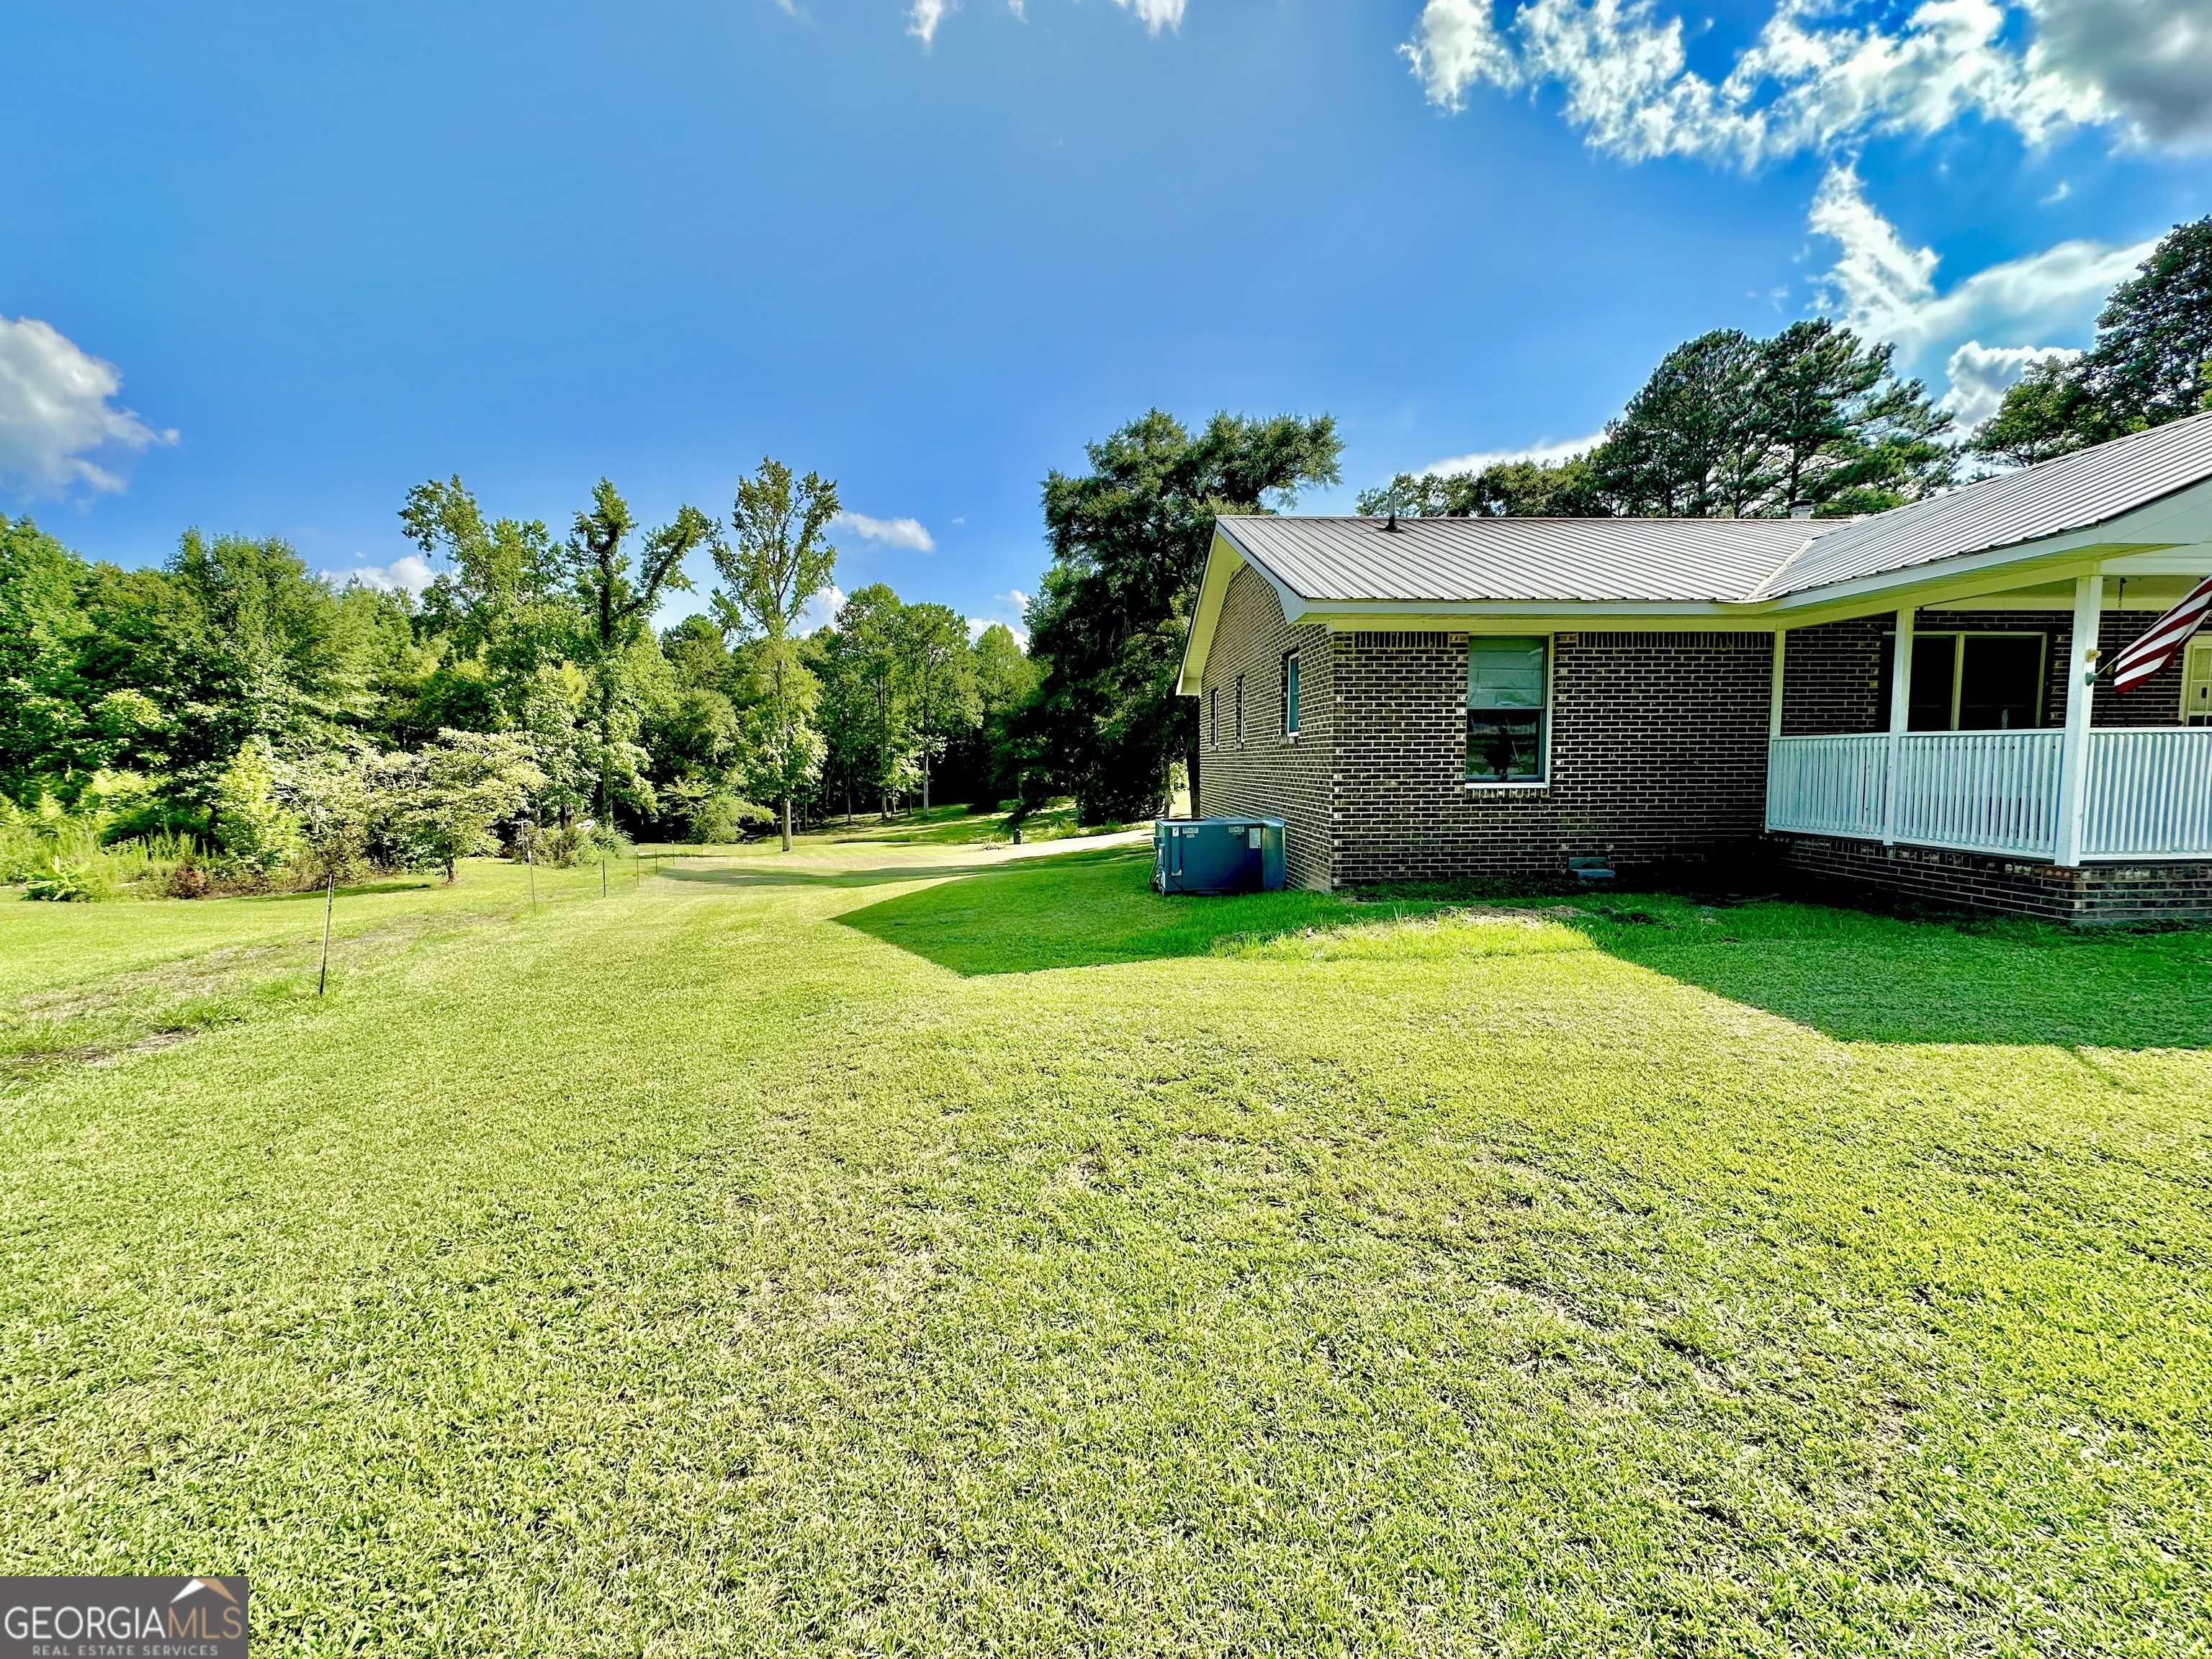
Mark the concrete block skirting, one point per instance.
(2093, 894)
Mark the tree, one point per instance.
(617, 607)
(1129, 539)
(939, 671)
(2152, 363)
(1840, 430)
(2153, 360)
(1564, 488)
(1005, 678)
(779, 559)
(1814, 417)
(440, 804)
(868, 657)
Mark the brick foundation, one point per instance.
(2095, 893)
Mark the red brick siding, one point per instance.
(2093, 893)
(1268, 775)
(1658, 752)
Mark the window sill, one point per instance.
(1517, 786)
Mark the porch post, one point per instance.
(1774, 698)
(2074, 755)
(1900, 717)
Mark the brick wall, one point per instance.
(1658, 752)
(2094, 893)
(1268, 774)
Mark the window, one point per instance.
(1971, 682)
(2196, 684)
(1240, 709)
(1506, 686)
(1290, 693)
(1213, 716)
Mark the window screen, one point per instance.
(1505, 698)
(1290, 694)
(1240, 709)
(1213, 715)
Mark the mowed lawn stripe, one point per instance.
(695, 1272)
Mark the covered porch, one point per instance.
(1989, 733)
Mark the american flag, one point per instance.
(2162, 640)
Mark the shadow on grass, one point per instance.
(1853, 976)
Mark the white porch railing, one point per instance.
(2148, 794)
(1979, 792)
(1826, 785)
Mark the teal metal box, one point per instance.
(1216, 855)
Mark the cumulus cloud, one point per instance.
(1817, 78)
(56, 410)
(821, 611)
(1008, 608)
(891, 532)
(1980, 376)
(1885, 288)
(2151, 59)
(408, 574)
(1543, 451)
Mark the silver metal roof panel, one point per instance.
(2074, 492)
(1507, 560)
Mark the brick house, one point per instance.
(1907, 700)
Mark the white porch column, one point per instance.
(2074, 755)
(1901, 718)
(1774, 698)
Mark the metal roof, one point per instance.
(1662, 561)
(2074, 492)
(1452, 560)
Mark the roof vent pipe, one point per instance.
(1392, 525)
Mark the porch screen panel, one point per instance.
(1505, 710)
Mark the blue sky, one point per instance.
(263, 267)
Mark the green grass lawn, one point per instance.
(900, 1249)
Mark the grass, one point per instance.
(962, 826)
(905, 1249)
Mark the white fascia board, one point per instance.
(1224, 559)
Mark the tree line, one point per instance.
(236, 703)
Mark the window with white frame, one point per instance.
(1240, 709)
(1213, 716)
(1290, 709)
(2196, 684)
(1508, 695)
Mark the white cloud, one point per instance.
(1980, 375)
(1008, 608)
(1545, 450)
(1817, 80)
(408, 574)
(892, 533)
(921, 21)
(1155, 14)
(55, 411)
(1886, 289)
(821, 611)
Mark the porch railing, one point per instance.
(1828, 786)
(1979, 792)
(2148, 790)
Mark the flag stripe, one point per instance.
(2162, 640)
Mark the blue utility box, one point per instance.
(1216, 855)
